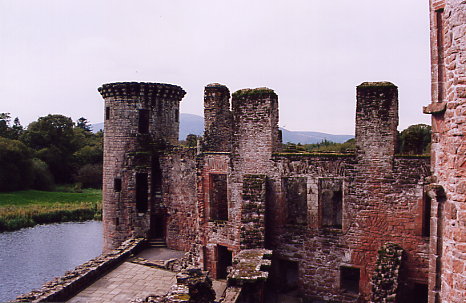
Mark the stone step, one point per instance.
(159, 243)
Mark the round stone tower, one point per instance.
(140, 120)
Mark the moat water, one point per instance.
(32, 256)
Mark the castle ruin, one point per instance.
(342, 227)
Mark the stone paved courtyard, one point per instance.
(127, 282)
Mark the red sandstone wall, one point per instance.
(373, 214)
(179, 198)
(448, 44)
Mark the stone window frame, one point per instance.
(307, 214)
(320, 208)
(211, 212)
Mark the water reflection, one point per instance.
(33, 256)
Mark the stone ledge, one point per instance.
(248, 266)
(435, 108)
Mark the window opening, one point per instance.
(426, 216)
(143, 126)
(440, 56)
(117, 184)
(218, 197)
(331, 202)
(107, 113)
(296, 200)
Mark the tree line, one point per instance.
(414, 140)
(52, 150)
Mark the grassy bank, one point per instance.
(30, 207)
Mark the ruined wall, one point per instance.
(255, 138)
(355, 204)
(448, 109)
(213, 232)
(218, 120)
(137, 116)
(179, 198)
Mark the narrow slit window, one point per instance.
(143, 126)
(426, 217)
(117, 184)
(440, 56)
(107, 113)
(177, 115)
(141, 192)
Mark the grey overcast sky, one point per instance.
(54, 54)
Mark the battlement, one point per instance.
(142, 89)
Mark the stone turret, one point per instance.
(139, 118)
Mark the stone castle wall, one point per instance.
(447, 281)
(325, 216)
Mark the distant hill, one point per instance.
(97, 126)
(305, 137)
(194, 124)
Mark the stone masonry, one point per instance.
(447, 278)
(325, 216)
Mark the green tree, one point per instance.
(7, 131)
(15, 165)
(191, 140)
(415, 140)
(83, 123)
(52, 138)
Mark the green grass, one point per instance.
(30, 207)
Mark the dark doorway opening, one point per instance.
(418, 293)
(349, 279)
(224, 259)
(141, 192)
(158, 216)
(157, 224)
(289, 272)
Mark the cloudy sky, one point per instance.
(55, 53)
